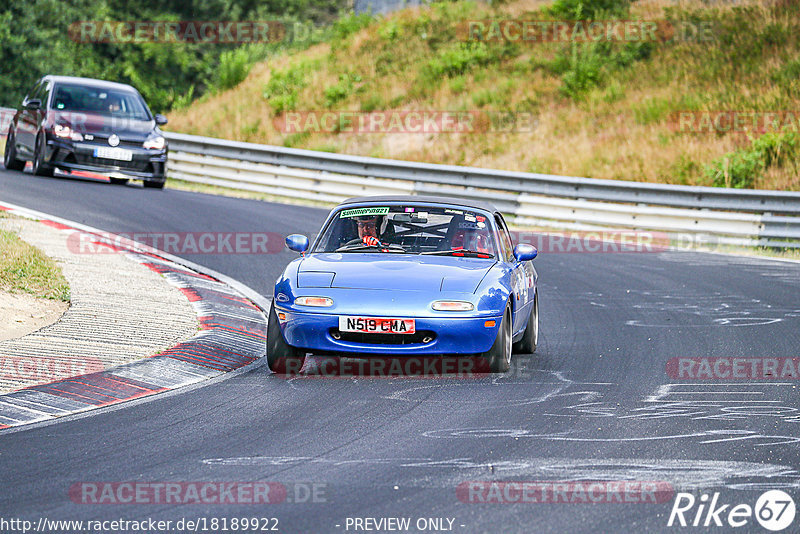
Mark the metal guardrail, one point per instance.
(747, 217)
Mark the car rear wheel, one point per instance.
(499, 356)
(527, 345)
(40, 167)
(154, 185)
(10, 155)
(282, 358)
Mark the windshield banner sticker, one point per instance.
(358, 212)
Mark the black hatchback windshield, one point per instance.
(101, 101)
(411, 229)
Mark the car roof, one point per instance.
(415, 199)
(88, 81)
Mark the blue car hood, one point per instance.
(394, 272)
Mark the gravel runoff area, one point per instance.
(21, 313)
(120, 311)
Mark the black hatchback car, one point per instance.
(95, 126)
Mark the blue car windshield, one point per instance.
(408, 229)
(96, 100)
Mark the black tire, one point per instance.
(282, 358)
(40, 168)
(118, 181)
(154, 185)
(10, 155)
(499, 356)
(527, 344)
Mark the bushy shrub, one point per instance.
(740, 169)
(582, 66)
(583, 72)
(588, 9)
(347, 25)
(343, 89)
(282, 89)
(456, 60)
(234, 66)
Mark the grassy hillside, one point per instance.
(600, 109)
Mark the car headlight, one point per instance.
(320, 302)
(61, 130)
(64, 131)
(453, 305)
(156, 143)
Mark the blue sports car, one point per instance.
(406, 275)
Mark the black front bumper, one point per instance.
(146, 164)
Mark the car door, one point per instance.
(28, 123)
(518, 273)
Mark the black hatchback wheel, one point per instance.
(153, 185)
(40, 168)
(10, 155)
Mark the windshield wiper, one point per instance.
(459, 252)
(391, 247)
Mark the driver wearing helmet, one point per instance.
(372, 229)
(471, 236)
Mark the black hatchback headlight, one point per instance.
(155, 142)
(65, 132)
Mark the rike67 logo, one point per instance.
(774, 510)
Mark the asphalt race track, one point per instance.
(595, 403)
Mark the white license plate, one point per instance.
(113, 153)
(376, 325)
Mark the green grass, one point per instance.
(25, 268)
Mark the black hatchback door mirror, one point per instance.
(161, 120)
(33, 103)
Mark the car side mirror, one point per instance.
(525, 252)
(161, 120)
(297, 242)
(33, 104)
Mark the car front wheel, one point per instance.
(40, 167)
(499, 356)
(282, 358)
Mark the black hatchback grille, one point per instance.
(133, 165)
